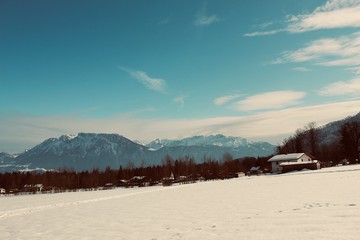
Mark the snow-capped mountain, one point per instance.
(6, 157)
(87, 151)
(84, 151)
(213, 147)
(7, 162)
(212, 140)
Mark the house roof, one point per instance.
(285, 157)
(255, 168)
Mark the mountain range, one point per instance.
(87, 151)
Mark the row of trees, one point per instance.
(304, 140)
(346, 144)
(184, 169)
(350, 141)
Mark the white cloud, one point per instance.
(180, 100)
(351, 87)
(206, 20)
(302, 69)
(265, 25)
(333, 14)
(286, 121)
(341, 51)
(263, 33)
(225, 99)
(22, 131)
(270, 100)
(313, 51)
(355, 70)
(156, 84)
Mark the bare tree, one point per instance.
(299, 140)
(312, 138)
(168, 164)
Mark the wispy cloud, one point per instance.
(156, 84)
(333, 14)
(355, 70)
(341, 51)
(263, 33)
(20, 131)
(351, 87)
(301, 69)
(206, 20)
(270, 100)
(180, 100)
(136, 112)
(225, 99)
(265, 25)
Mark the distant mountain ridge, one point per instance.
(212, 140)
(87, 151)
(329, 133)
(84, 151)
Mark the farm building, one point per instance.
(33, 187)
(254, 171)
(294, 161)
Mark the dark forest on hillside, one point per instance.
(310, 139)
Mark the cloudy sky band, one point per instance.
(267, 126)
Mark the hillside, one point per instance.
(329, 133)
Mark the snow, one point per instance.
(35, 170)
(285, 157)
(321, 204)
(212, 140)
(67, 137)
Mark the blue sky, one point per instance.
(172, 69)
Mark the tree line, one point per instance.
(182, 170)
(345, 148)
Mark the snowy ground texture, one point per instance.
(323, 204)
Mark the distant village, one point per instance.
(169, 173)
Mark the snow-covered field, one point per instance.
(323, 204)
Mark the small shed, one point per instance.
(255, 170)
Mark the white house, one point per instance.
(33, 187)
(2, 191)
(294, 161)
